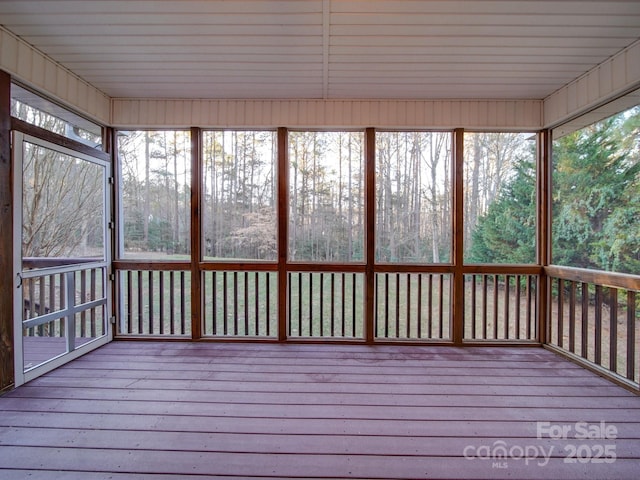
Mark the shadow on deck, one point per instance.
(210, 410)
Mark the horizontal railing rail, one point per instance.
(46, 262)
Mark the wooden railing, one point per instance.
(240, 303)
(595, 318)
(325, 304)
(501, 307)
(592, 316)
(154, 300)
(47, 294)
(413, 306)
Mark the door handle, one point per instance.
(19, 275)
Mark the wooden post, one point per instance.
(196, 202)
(370, 219)
(110, 146)
(6, 237)
(283, 229)
(458, 236)
(544, 229)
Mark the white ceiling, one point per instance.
(330, 49)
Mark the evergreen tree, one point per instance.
(596, 203)
(595, 198)
(506, 233)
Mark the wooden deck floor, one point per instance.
(202, 410)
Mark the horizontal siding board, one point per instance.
(613, 77)
(511, 114)
(31, 67)
(517, 7)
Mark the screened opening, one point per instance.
(239, 195)
(63, 207)
(596, 190)
(326, 196)
(413, 197)
(155, 179)
(500, 210)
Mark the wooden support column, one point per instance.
(283, 229)
(458, 236)
(6, 237)
(370, 220)
(196, 202)
(544, 228)
(111, 147)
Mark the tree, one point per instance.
(506, 233)
(596, 196)
(62, 205)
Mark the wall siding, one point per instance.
(471, 114)
(605, 82)
(32, 67)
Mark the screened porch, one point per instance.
(319, 239)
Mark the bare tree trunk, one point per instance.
(147, 189)
(176, 195)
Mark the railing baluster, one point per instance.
(572, 317)
(300, 304)
(246, 303)
(517, 306)
(225, 304)
(419, 307)
(496, 286)
(473, 307)
(129, 301)
(441, 306)
(408, 326)
(333, 303)
(585, 320)
(151, 303)
(290, 301)
(430, 306)
(235, 303)
(631, 337)
(161, 301)
(485, 306)
(529, 297)
(321, 304)
(386, 305)
(256, 313)
(560, 313)
(613, 329)
(44, 329)
(397, 325)
(183, 298)
(310, 304)
(343, 306)
(172, 305)
(52, 299)
(268, 302)
(92, 313)
(83, 299)
(140, 309)
(353, 305)
(598, 326)
(507, 301)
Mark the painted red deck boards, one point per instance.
(207, 410)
